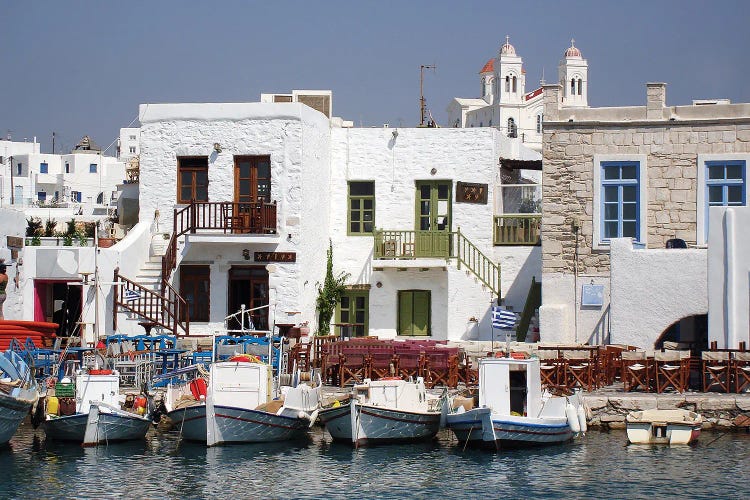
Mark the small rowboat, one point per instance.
(663, 426)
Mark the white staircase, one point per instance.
(149, 275)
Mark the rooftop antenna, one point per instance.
(422, 105)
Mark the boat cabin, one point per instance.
(393, 393)
(94, 387)
(510, 386)
(240, 384)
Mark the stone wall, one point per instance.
(671, 151)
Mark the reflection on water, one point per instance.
(600, 465)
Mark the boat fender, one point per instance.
(572, 415)
(582, 418)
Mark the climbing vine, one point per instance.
(329, 294)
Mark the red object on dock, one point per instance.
(38, 331)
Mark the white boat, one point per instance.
(385, 411)
(663, 426)
(98, 417)
(18, 393)
(513, 410)
(238, 407)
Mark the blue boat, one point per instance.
(18, 393)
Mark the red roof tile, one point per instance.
(489, 67)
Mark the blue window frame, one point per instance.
(92, 168)
(19, 168)
(76, 195)
(43, 168)
(726, 185)
(41, 196)
(620, 200)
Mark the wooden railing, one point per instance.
(436, 244)
(166, 309)
(256, 217)
(516, 229)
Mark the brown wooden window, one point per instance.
(195, 288)
(192, 179)
(252, 178)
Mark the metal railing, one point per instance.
(518, 229)
(393, 244)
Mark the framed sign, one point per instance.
(592, 296)
(14, 242)
(468, 192)
(275, 257)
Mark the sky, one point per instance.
(83, 67)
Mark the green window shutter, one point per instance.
(405, 307)
(421, 317)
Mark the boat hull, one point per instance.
(374, 425)
(646, 433)
(190, 422)
(476, 427)
(238, 425)
(12, 413)
(111, 427)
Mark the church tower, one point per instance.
(573, 71)
(487, 81)
(509, 78)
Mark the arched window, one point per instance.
(512, 132)
(539, 123)
(507, 84)
(514, 84)
(580, 87)
(572, 86)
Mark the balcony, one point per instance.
(518, 229)
(257, 217)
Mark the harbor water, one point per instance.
(599, 465)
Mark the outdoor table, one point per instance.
(170, 359)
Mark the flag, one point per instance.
(502, 318)
(129, 295)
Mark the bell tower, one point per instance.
(510, 81)
(573, 72)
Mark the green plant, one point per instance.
(34, 226)
(67, 240)
(36, 241)
(329, 294)
(70, 228)
(49, 228)
(89, 229)
(82, 240)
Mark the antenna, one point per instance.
(422, 105)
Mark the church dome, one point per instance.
(507, 48)
(573, 51)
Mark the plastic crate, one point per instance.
(65, 390)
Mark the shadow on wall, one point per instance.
(519, 290)
(366, 273)
(601, 332)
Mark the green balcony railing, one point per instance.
(391, 244)
(516, 229)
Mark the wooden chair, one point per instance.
(636, 371)
(353, 365)
(410, 364)
(716, 371)
(382, 363)
(579, 369)
(466, 373)
(741, 371)
(441, 368)
(668, 371)
(611, 366)
(549, 368)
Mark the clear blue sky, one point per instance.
(80, 67)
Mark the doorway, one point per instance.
(432, 218)
(252, 185)
(248, 286)
(59, 302)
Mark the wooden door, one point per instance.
(252, 185)
(414, 312)
(433, 218)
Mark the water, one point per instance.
(597, 466)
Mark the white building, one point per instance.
(128, 144)
(504, 102)
(8, 151)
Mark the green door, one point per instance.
(414, 312)
(433, 218)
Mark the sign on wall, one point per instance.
(592, 296)
(15, 242)
(275, 257)
(468, 192)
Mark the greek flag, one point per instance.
(502, 318)
(129, 295)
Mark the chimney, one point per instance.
(552, 93)
(656, 100)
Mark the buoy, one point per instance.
(572, 416)
(582, 418)
(53, 405)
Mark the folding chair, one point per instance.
(441, 368)
(382, 364)
(353, 365)
(668, 371)
(636, 371)
(466, 373)
(410, 364)
(549, 368)
(716, 370)
(579, 369)
(741, 371)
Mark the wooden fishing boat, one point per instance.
(385, 411)
(663, 426)
(513, 410)
(18, 393)
(95, 415)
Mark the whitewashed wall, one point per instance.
(729, 276)
(652, 289)
(12, 223)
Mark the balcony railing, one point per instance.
(257, 217)
(516, 229)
